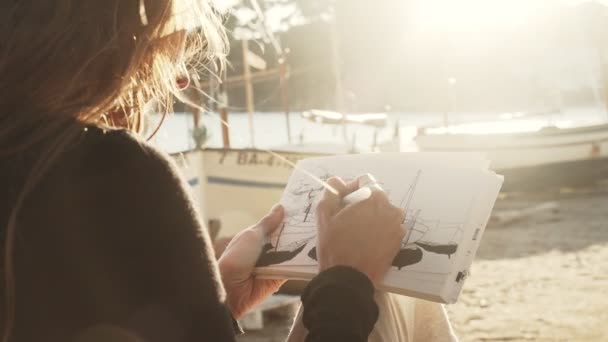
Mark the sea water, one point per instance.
(270, 128)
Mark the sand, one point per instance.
(544, 278)
(541, 279)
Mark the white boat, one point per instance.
(236, 187)
(378, 120)
(531, 160)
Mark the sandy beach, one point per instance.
(542, 278)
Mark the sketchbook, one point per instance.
(447, 199)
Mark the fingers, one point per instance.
(337, 184)
(377, 204)
(352, 186)
(272, 221)
(400, 213)
(381, 202)
(378, 199)
(398, 217)
(332, 198)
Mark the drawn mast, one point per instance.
(406, 203)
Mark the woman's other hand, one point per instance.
(366, 235)
(238, 261)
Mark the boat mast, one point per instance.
(283, 76)
(248, 90)
(337, 69)
(282, 69)
(603, 77)
(223, 109)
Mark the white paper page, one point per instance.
(437, 200)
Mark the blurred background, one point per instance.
(433, 55)
(425, 63)
(523, 81)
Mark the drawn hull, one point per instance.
(270, 257)
(407, 257)
(447, 249)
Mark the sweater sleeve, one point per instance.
(135, 253)
(339, 306)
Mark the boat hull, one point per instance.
(536, 160)
(237, 187)
(568, 174)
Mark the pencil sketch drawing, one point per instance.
(431, 238)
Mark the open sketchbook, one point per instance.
(447, 200)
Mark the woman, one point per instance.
(101, 241)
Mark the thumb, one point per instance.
(272, 220)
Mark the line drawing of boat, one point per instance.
(271, 255)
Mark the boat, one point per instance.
(234, 188)
(533, 160)
(377, 120)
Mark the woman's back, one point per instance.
(106, 240)
(100, 239)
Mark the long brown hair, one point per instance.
(68, 62)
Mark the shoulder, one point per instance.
(113, 148)
(116, 156)
(114, 168)
(113, 181)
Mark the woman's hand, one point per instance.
(237, 262)
(366, 235)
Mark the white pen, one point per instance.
(367, 183)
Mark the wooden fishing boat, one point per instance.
(236, 187)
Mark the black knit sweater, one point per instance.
(109, 248)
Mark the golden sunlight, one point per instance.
(473, 15)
